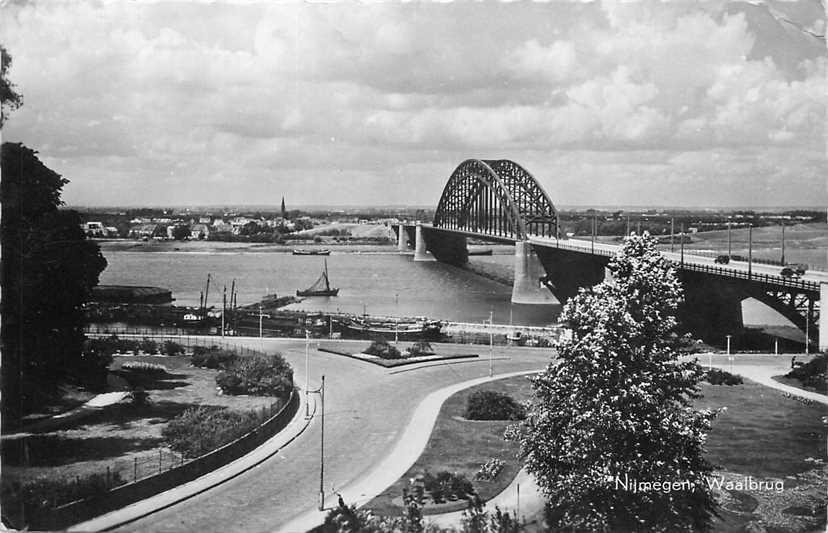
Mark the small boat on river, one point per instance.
(311, 252)
(322, 286)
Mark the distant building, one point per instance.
(200, 231)
(94, 229)
(140, 231)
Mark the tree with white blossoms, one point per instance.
(618, 402)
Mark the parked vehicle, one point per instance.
(722, 259)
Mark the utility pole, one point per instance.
(672, 232)
(628, 226)
(322, 449)
(223, 308)
(682, 244)
(307, 375)
(594, 223)
(260, 321)
(728, 238)
(750, 249)
(491, 343)
(783, 243)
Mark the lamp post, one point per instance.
(307, 375)
(728, 238)
(672, 232)
(783, 244)
(729, 356)
(260, 321)
(321, 392)
(750, 250)
(491, 343)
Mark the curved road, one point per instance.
(367, 408)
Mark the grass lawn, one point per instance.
(462, 446)
(762, 434)
(121, 436)
(767, 436)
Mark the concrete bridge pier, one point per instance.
(446, 247)
(527, 287)
(420, 249)
(823, 318)
(712, 308)
(402, 239)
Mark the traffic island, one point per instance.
(390, 355)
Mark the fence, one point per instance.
(126, 481)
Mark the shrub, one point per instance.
(489, 470)
(261, 375)
(493, 405)
(421, 348)
(173, 348)
(148, 346)
(201, 429)
(382, 349)
(39, 495)
(144, 368)
(814, 373)
(717, 376)
(214, 358)
(446, 484)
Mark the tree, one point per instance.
(49, 269)
(9, 99)
(616, 406)
(181, 232)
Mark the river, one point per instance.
(372, 279)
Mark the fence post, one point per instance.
(107, 477)
(159, 459)
(134, 469)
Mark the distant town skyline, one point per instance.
(682, 104)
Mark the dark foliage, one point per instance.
(261, 375)
(173, 348)
(446, 484)
(49, 269)
(814, 373)
(381, 348)
(37, 497)
(204, 428)
(717, 376)
(493, 405)
(215, 358)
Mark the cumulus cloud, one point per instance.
(258, 100)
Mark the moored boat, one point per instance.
(322, 286)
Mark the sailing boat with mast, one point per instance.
(322, 286)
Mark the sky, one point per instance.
(694, 104)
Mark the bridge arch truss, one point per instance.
(498, 198)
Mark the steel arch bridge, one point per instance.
(498, 198)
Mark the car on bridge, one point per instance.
(722, 259)
(793, 270)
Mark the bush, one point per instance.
(144, 368)
(148, 346)
(261, 375)
(493, 405)
(446, 484)
(814, 373)
(201, 429)
(39, 495)
(214, 358)
(173, 348)
(717, 376)
(382, 349)
(420, 348)
(489, 470)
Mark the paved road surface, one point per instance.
(367, 409)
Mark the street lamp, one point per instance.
(729, 356)
(307, 374)
(491, 343)
(321, 392)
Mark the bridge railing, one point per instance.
(770, 279)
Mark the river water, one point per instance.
(375, 280)
(372, 279)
